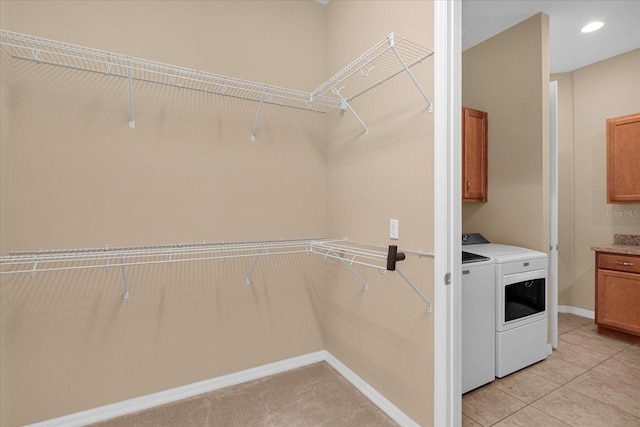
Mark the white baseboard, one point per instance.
(577, 311)
(136, 404)
(130, 406)
(371, 393)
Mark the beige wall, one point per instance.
(508, 77)
(385, 333)
(609, 88)
(79, 177)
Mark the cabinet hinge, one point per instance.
(447, 279)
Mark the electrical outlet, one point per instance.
(393, 229)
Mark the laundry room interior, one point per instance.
(538, 175)
(190, 201)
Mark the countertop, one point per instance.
(627, 244)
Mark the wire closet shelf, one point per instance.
(347, 252)
(386, 59)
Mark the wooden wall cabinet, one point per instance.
(474, 155)
(618, 295)
(623, 158)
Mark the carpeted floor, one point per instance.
(314, 395)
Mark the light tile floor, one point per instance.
(590, 380)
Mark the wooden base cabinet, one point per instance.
(618, 295)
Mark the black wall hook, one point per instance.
(393, 257)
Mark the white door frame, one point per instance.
(448, 212)
(553, 214)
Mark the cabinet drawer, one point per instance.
(619, 262)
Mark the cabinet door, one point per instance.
(474, 155)
(618, 300)
(623, 158)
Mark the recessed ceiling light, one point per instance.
(592, 26)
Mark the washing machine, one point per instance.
(520, 302)
(478, 321)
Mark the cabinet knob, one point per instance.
(625, 263)
(468, 185)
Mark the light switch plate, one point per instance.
(393, 229)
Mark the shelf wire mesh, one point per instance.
(377, 65)
(31, 48)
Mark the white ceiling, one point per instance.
(570, 49)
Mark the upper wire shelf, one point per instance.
(348, 253)
(386, 59)
(23, 46)
(61, 259)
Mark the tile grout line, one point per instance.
(595, 398)
(531, 403)
(588, 370)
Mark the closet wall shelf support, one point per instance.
(255, 123)
(35, 266)
(371, 256)
(253, 266)
(347, 252)
(344, 105)
(132, 122)
(125, 288)
(417, 292)
(365, 285)
(385, 60)
(391, 56)
(415, 82)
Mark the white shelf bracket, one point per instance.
(109, 65)
(172, 77)
(132, 122)
(406, 68)
(255, 123)
(365, 285)
(422, 297)
(344, 104)
(35, 265)
(36, 53)
(106, 249)
(253, 266)
(125, 288)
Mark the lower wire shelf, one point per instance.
(347, 252)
